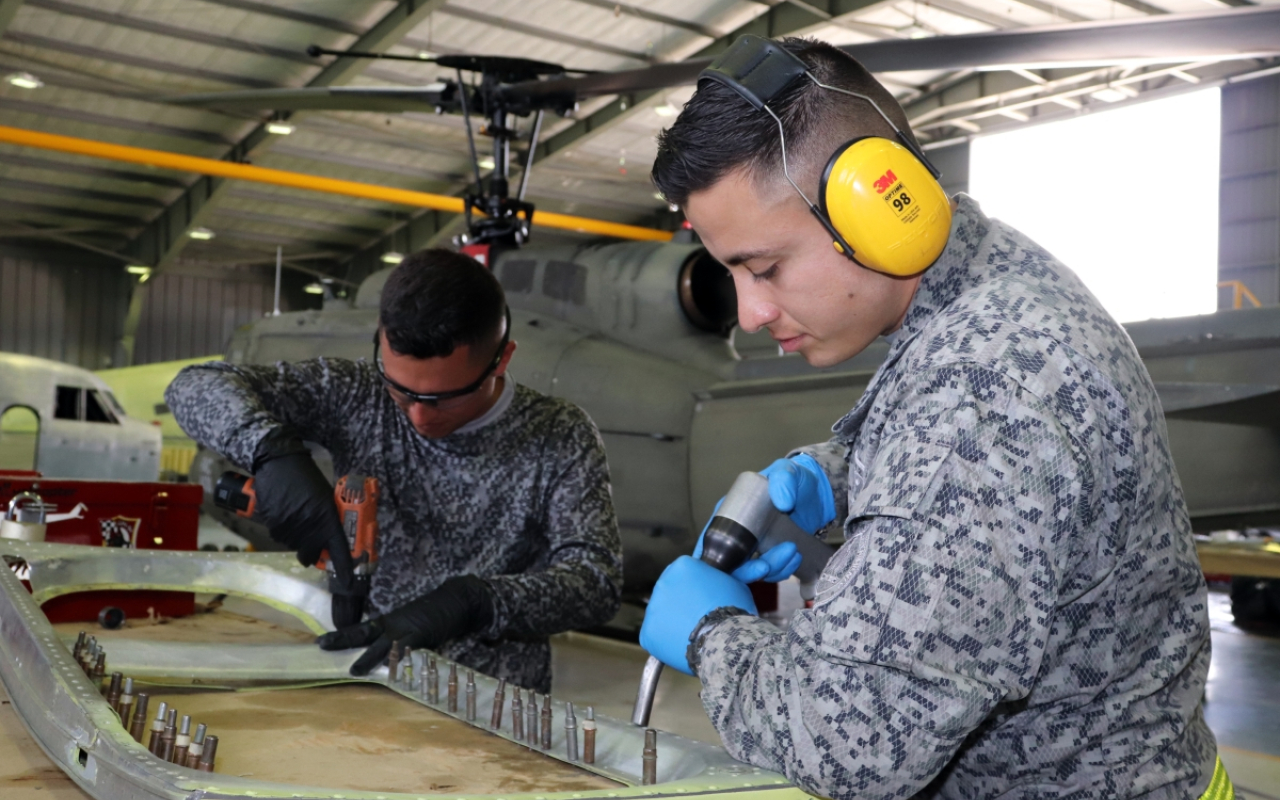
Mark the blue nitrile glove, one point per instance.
(800, 489)
(687, 591)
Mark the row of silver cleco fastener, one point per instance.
(529, 724)
(170, 739)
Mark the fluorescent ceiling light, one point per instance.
(486, 163)
(25, 80)
(138, 269)
(392, 258)
(665, 110)
(280, 128)
(313, 288)
(201, 234)
(1112, 94)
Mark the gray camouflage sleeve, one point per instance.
(581, 582)
(230, 408)
(934, 611)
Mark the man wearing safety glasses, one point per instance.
(496, 523)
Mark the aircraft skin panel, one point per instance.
(541, 343)
(1230, 474)
(643, 406)
(129, 451)
(747, 432)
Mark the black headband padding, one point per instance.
(757, 69)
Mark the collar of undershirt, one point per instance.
(497, 410)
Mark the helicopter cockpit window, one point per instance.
(96, 408)
(707, 295)
(517, 275)
(565, 280)
(66, 403)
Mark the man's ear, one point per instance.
(507, 353)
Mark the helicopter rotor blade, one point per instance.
(1238, 33)
(331, 98)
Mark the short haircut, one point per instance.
(436, 301)
(719, 132)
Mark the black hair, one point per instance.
(719, 132)
(436, 301)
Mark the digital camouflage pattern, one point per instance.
(1018, 610)
(523, 502)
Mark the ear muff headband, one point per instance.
(887, 204)
(758, 70)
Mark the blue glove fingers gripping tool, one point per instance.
(746, 522)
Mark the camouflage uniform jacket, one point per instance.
(1018, 610)
(522, 502)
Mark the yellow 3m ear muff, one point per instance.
(880, 199)
(886, 205)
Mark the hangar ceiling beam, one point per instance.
(106, 120)
(1050, 8)
(633, 10)
(172, 31)
(1145, 8)
(50, 165)
(543, 33)
(329, 23)
(783, 19)
(163, 239)
(976, 14)
(8, 9)
(39, 187)
(160, 243)
(26, 231)
(134, 60)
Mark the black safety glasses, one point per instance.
(434, 400)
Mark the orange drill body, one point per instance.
(355, 497)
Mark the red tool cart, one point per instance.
(148, 516)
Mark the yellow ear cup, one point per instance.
(886, 205)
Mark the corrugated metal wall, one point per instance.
(71, 306)
(61, 304)
(1249, 209)
(186, 316)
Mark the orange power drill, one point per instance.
(356, 498)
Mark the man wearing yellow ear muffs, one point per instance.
(1017, 609)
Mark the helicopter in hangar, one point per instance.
(643, 335)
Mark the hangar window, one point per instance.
(1127, 198)
(67, 402)
(96, 408)
(565, 280)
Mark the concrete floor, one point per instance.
(1242, 702)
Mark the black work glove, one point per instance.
(295, 500)
(459, 606)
